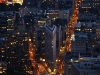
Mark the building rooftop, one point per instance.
(85, 5)
(2, 39)
(81, 35)
(77, 66)
(78, 24)
(50, 27)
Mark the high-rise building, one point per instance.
(40, 37)
(14, 45)
(79, 43)
(58, 39)
(3, 31)
(50, 46)
(18, 51)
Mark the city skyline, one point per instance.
(49, 37)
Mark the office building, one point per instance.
(78, 43)
(18, 51)
(88, 66)
(58, 39)
(82, 64)
(39, 37)
(50, 46)
(17, 47)
(3, 31)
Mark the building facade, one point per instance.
(50, 46)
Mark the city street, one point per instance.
(70, 28)
(40, 68)
(70, 32)
(71, 24)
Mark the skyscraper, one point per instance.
(18, 51)
(3, 31)
(50, 46)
